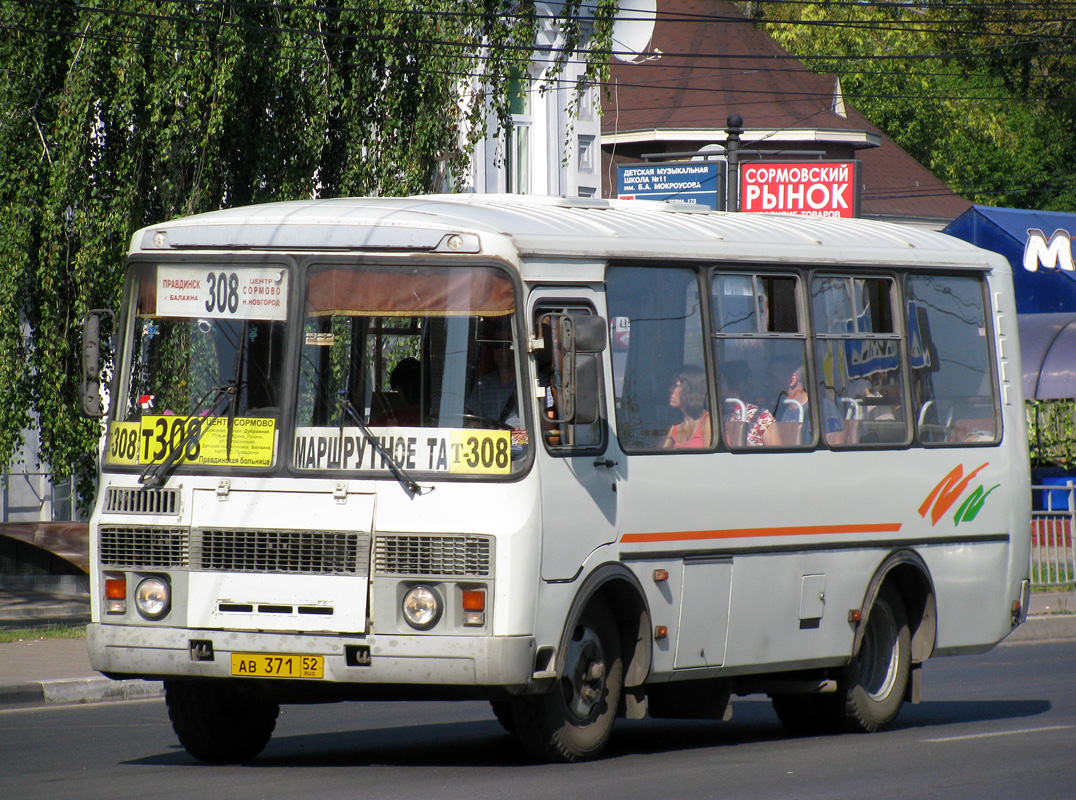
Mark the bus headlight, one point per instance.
(422, 607)
(153, 597)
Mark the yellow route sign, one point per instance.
(152, 439)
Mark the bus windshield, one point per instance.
(423, 358)
(207, 348)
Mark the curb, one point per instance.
(36, 694)
(1045, 628)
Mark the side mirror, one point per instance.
(578, 339)
(590, 338)
(587, 389)
(90, 390)
(591, 333)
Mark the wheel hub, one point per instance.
(584, 674)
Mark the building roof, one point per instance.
(705, 60)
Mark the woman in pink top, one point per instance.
(688, 395)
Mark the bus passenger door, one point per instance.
(576, 457)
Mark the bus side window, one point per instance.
(657, 331)
(859, 358)
(953, 386)
(760, 350)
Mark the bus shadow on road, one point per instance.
(480, 743)
(461, 744)
(936, 713)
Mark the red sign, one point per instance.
(811, 189)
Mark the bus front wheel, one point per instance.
(573, 722)
(220, 722)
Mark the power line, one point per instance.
(320, 34)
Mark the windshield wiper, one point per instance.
(395, 466)
(155, 474)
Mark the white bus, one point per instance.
(582, 459)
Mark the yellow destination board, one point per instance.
(204, 441)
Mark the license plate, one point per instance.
(269, 665)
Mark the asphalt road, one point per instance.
(1000, 725)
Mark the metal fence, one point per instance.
(1053, 520)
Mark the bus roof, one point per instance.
(557, 227)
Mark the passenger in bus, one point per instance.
(745, 423)
(406, 382)
(688, 396)
(493, 398)
(793, 406)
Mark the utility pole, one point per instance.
(732, 150)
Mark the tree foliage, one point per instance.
(115, 118)
(982, 93)
(1051, 430)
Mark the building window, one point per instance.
(586, 102)
(517, 138)
(586, 153)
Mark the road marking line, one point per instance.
(999, 733)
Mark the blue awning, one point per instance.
(1046, 290)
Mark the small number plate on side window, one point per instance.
(266, 665)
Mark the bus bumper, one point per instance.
(128, 651)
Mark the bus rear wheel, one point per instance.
(220, 722)
(573, 722)
(876, 680)
(870, 690)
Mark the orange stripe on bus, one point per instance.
(745, 533)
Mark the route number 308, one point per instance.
(123, 444)
(223, 293)
(487, 453)
(160, 440)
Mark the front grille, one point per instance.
(121, 500)
(288, 552)
(141, 547)
(432, 555)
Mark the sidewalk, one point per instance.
(57, 671)
(54, 671)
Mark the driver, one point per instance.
(493, 397)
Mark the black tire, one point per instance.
(220, 722)
(502, 710)
(870, 690)
(573, 722)
(875, 682)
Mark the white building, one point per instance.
(549, 150)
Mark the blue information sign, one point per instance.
(700, 182)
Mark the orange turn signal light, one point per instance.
(474, 599)
(116, 588)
